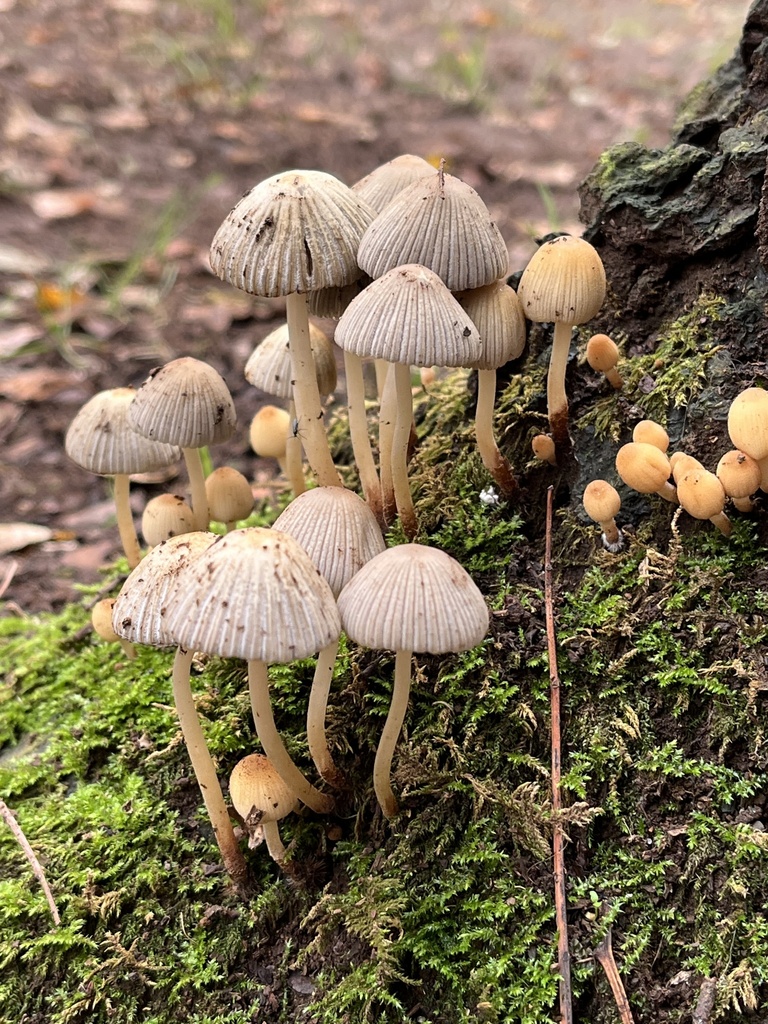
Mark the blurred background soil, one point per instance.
(130, 127)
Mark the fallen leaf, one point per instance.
(15, 338)
(17, 261)
(15, 536)
(37, 385)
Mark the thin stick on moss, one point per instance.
(604, 956)
(561, 918)
(29, 853)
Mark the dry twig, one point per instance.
(604, 956)
(29, 853)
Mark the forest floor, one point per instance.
(130, 127)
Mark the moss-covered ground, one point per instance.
(446, 914)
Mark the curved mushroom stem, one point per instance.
(496, 464)
(557, 403)
(309, 408)
(274, 843)
(611, 537)
(358, 432)
(274, 748)
(399, 461)
(668, 491)
(318, 703)
(198, 498)
(125, 524)
(722, 522)
(204, 769)
(387, 417)
(382, 766)
(292, 463)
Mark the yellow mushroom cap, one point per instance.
(739, 474)
(101, 620)
(269, 431)
(543, 447)
(601, 501)
(229, 495)
(701, 494)
(748, 422)
(642, 467)
(165, 516)
(651, 432)
(602, 352)
(680, 464)
(255, 784)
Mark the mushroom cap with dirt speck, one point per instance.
(564, 282)
(254, 594)
(442, 223)
(680, 463)
(414, 598)
(101, 439)
(269, 365)
(739, 474)
(701, 494)
(140, 610)
(601, 501)
(166, 516)
(337, 530)
(186, 403)
(256, 784)
(409, 316)
(297, 231)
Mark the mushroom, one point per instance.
(740, 476)
(748, 427)
(255, 594)
(261, 798)
(563, 283)
(602, 503)
(680, 463)
(100, 439)
(340, 534)
(410, 598)
(603, 355)
(381, 186)
(544, 448)
(295, 232)
(139, 615)
(186, 403)
(164, 516)
(267, 435)
(702, 496)
(230, 498)
(645, 469)
(651, 432)
(101, 620)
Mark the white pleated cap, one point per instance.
(101, 440)
(141, 608)
(185, 402)
(442, 223)
(414, 598)
(563, 282)
(497, 313)
(269, 365)
(297, 231)
(337, 530)
(409, 316)
(254, 594)
(384, 182)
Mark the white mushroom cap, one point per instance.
(442, 223)
(256, 785)
(497, 313)
(141, 607)
(337, 530)
(269, 365)
(409, 316)
(563, 282)
(297, 231)
(254, 594)
(229, 494)
(101, 440)
(185, 402)
(382, 185)
(414, 598)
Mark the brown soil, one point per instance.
(130, 127)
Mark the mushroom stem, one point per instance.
(722, 522)
(204, 769)
(292, 464)
(387, 417)
(611, 534)
(557, 402)
(382, 766)
(318, 703)
(198, 498)
(496, 464)
(399, 459)
(358, 432)
(274, 843)
(125, 524)
(309, 409)
(274, 748)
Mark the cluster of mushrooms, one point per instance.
(413, 269)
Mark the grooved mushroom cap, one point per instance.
(297, 231)
(601, 501)
(439, 222)
(739, 474)
(337, 530)
(185, 402)
(563, 282)
(269, 365)
(254, 594)
(382, 185)
(414, 598)
(409, 316)
(701, 494)
(642, 467)
(141, 607)
(101, 440)
(255, 784)
(497, 313)
(748, 422)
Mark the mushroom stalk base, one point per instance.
(382, 766)
(557, 402)
(204, 769)
(496, 464)
(274, 748)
